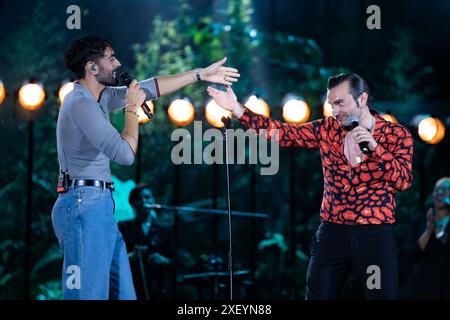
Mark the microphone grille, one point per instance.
(125, 79)
(353, 121)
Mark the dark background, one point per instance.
(298, 45)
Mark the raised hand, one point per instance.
(227, 100)
(217, 73)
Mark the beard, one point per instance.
(342, 118)
(107, 78)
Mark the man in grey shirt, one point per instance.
(96, 265)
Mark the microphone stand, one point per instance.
(142, 269)
(229, 213)
(228, 125)
(157, 206)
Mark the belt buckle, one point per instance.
(111, 187)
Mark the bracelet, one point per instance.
(197, 75)
(135, 113)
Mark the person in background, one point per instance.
(428, 248)
(149, 245)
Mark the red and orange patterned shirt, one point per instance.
(363, 194)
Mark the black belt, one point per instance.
(92, 183)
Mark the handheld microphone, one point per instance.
(152, 206)
(364, 146)
(125, 80)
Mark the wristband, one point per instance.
(197, 75)
(135, 113)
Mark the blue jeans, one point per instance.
(96, 264)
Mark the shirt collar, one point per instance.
(379, 121)
(341, 132)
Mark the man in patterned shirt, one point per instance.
(357, 212)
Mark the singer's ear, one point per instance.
(363, 97)
(92, 67)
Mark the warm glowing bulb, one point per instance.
(431, 130)
(64, 90)
(440, 132)
(390, 118)
(31, 96)
(2, 92)
(181, 112)
(296, 111)
(258, 105)
(214, 114)
(327, 109)
(142, 117)
(427, 129)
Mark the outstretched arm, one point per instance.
(215, 73)
(114, 97)
(302, 135)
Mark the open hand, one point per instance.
(225, 99)
(217, 73)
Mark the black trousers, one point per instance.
(370, 249)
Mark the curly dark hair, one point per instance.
(90, 48)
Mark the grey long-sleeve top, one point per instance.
(86, 139)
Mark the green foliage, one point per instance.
(405, 74)
(271, 64)
(22, 50)
(25, 53)
(50, 290)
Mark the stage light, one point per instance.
(431, 130)
(142, 117)
(181, 112)
(63, 90)
(296, 110)
(327, 109)
(2, 92)
(214, 114)
(258, 105)
(389, 117)
(31, 95)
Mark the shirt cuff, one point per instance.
(246, 116)
(157, 88)
(381, 155)
(151, 88)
